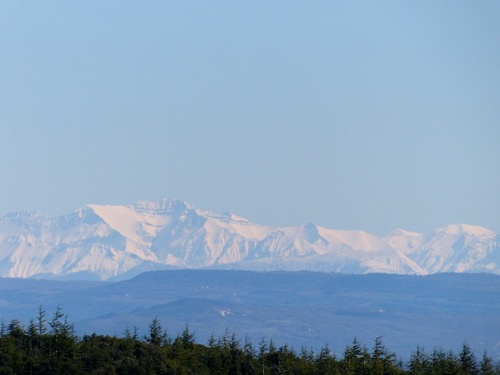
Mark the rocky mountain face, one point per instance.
(103, 242)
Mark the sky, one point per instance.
(352, 115)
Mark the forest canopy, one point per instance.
(49, 345)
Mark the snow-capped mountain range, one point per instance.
(103, 241)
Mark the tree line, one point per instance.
(50, 346)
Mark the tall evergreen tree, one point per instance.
(419, 362)
(468, 362)
(156, 335)
(486, 365)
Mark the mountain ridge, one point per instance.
(111, 241)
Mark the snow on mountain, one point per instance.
(464, 229)
(458, 248)
(103, 241)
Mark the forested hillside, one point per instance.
(50, 346)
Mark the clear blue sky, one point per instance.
(353, 115)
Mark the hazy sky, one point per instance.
(353, 115)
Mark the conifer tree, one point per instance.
(486, 365)
(419, 362)
(41, 321)
(468, 362)
(156, 334)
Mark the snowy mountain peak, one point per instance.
(164, 207)
(229, 216)
(23, 214)
(112, 241)
(464, 229)
(402, 232)
(311, 232)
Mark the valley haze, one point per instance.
(301, 309)
(111, 242)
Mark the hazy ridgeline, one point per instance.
(306, 309)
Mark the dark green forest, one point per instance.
(49, 345)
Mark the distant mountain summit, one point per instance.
(104, 241)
